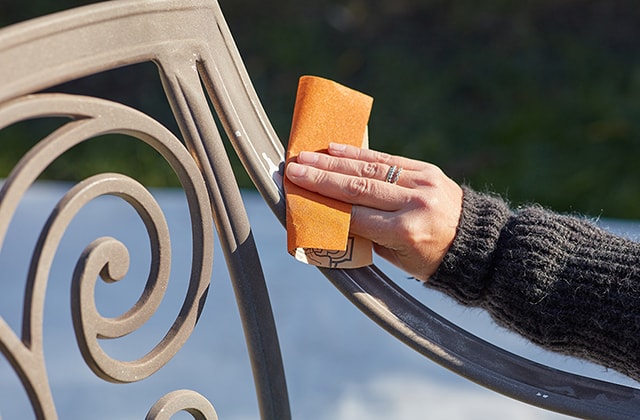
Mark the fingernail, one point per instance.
(337, 147)
(295, 170)
(307, 157)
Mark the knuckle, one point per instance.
(317, 177)
(356, 186)
(331, 162)
(431, 176)
(328, 163)
(425, 201)
(370, 170)
(414, 233)
(407, 230)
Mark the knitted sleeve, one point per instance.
(560, 281)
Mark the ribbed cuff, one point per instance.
(464, 270)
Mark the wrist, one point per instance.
(465, 268)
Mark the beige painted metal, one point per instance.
(182, 400)
(187, 39)
(192, 47)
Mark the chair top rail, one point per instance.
(113, 34)
(72, 44)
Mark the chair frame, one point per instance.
(198, 62)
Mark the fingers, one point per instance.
(346, 166)
(360, 176)
(357, 176)
(352, 152)
(349, 160)
(368, 155)
(348, 188)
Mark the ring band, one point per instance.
(394, 174)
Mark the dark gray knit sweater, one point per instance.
(560, 281)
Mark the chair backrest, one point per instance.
(191, 45)
(198, 62)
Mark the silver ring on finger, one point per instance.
(393, 175)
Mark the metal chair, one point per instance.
(197, 59)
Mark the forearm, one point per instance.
(559, 281)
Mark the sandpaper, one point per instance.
(318, 226)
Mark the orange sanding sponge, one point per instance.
(318, 226)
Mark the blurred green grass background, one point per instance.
(538, 101)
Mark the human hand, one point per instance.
(412, 223)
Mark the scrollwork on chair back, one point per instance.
(105, 257)
(55, 49)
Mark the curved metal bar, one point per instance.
(27, 355)
(182, 400)
(176, 35)
(194, 33)
(198, 126)
(481, 362)
(387, 304)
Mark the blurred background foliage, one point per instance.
(538, 101)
